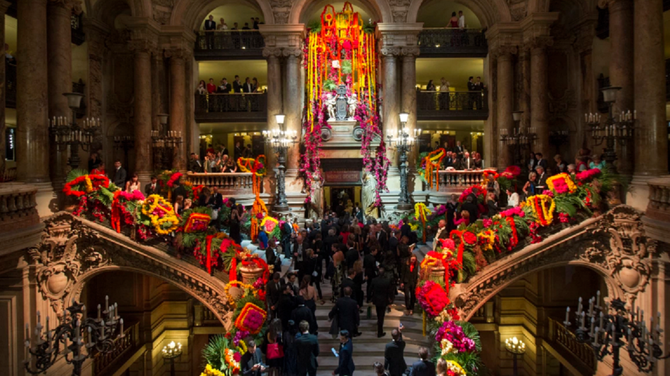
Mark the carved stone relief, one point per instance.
(615, 245)
(518, 9)
(281, 9)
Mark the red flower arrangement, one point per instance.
(511, 172)
(432, 298)
(197, 222)
(514, 237)
(479, 192)
(588, 174)
(469, 238)
(251, 318)
(174, 178)
(85, 184)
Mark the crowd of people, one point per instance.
(250, 85)
(211, 25)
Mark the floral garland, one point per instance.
(432, 163)
(161, 213)
(197, 222)
(85, 184)
(174, 179)
(588, 174)
(543, 207)
(561, 184)
(251, 318)
(478, 191)
(453, 333)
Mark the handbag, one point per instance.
(275, 351)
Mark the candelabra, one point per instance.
(605, 330)
(76, 338)
(618, 128)
(280, 140)
(515, 347)
(163, 142)
(522, 137)
(170, 352)
(403, 142)
(66, 132)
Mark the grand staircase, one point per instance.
(367, 348)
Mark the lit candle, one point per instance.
(567, 316)
(596, 336)
(602, 316)
(121, 321)
(98, 312)
(598, 298)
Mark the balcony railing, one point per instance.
(233, 184)
(121, 348)
(454, 181)
(440, 42)
(465, 105)
(18, 207)
(559, 335)
(231, 107)
(228, 45)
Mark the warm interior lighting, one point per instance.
(280, 119)
(403, 117)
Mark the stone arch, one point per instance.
(380, 7)
(613, 291)
(87, 276)
(190, 14)
(489, 12)
(107, 10)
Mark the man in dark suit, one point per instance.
(224, 88)
(352, 253)
(237, 84)
(472, 97)
(467, 163)
(152, 188)
(345, 365)
(346, 311)
(471, 207)
(458, 150)
(252, 361)
(423, 367)
(215, 202)
(119, 176)
(286, 305)
(348, 281)
(274, 291)
(394, 354)
(195, 165)
(382, 294)
(303, 313)
(541, 183)
(381, 236)
(541, 161)
(370, 268)
(307, 348)
(248, 87)
(210, 27)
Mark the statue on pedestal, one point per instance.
(352, 102)
(331, 101)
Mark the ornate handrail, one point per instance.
(457, 180)
(120, 347)
(559, 334)
(229, 40)
(18, 207)
(453, 42)
(232, 102)
(659, 199)
(450, 102)
(235, 183)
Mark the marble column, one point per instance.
(31, 96)
(621, 70)
(4, 5)
(293, 110)
(142, 113)
(505, 99)
(524, 104)
(651, 135)
(589, 86)
(408, 104)
(59, 57)
(177, 119)
(491, 135)
(539, 99)
(390, 105)
(156, 83)
(274, 103)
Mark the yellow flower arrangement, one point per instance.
(490, 238)
(242, 348)
(209, 371)
(89, 184)
(447, 347)
(543, 207)
(240, 284)
(561, 183)
(421, 211)
(455, 368)
(154, 202)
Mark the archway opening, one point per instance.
(367, 11)
(155, 312)
(532, 309)
(437, 13)
(235, 14)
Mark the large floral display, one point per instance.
(341, 50)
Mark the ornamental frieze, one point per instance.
(615, 245)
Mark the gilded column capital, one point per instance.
(504, 51)
(272, 52)
(390, 51)
(410, 51)
(292, 51)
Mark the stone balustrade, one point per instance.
(120, 348)
(657, 215)
(560, 335)
(455, 181)
(232, 184)
(18, 207)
